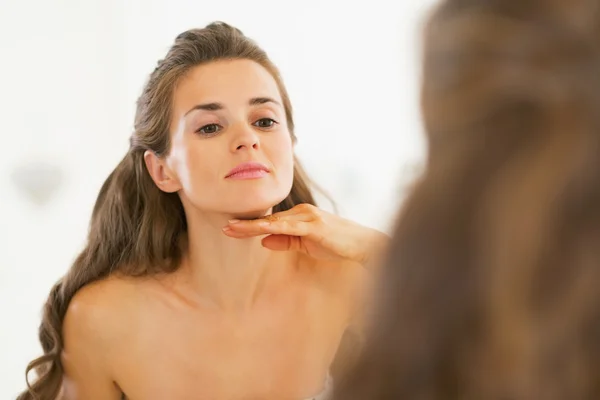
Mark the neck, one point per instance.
(227, 272)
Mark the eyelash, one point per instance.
(202, 130)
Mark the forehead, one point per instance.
(230, 82)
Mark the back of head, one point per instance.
(490, 289)
(136, 228)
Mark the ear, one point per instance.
(162, 176)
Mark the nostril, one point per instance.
(253, 146)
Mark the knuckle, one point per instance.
(308, 208)
(318, 222)
(303, 206)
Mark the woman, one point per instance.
(490, 290)
(209, 272)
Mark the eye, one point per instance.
(265, 123)
(209, 130)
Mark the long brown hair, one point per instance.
(491, 285)
(135, 227)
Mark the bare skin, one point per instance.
(151, 340)
(258, 307)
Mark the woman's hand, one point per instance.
(308, 229)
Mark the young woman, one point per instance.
(209, 272)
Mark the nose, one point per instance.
(245, 138)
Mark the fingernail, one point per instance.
(234, 221)
(226, 229)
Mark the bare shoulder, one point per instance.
(93, 332)
(99, 303)
(96, 314)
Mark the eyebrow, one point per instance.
(255, 101)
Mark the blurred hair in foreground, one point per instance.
(490, 290)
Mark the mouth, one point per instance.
(250, 170)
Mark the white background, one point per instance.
(71, 70)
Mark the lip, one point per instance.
(248, 170)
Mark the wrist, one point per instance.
(376, 244)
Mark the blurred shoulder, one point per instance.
(346, 283)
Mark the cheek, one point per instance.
(194, 168)
(282, 154)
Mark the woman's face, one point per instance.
(228, 115)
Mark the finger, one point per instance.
(231, 233)
(283, 216)
(296, 225)
(302, 212)
(282, 243)
(297, 209)
(252, 231)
